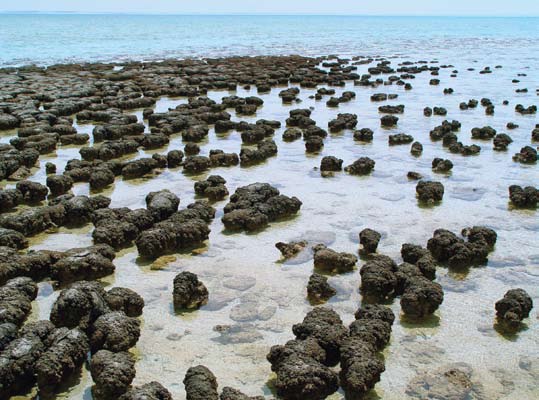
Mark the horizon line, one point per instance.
(142, 13)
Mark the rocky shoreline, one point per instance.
(40, 110)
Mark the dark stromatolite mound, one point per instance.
(369, 239)
(420, 257)
(126, 300)
(416, 149)
(86, 263)
(429, 191)
(361, 366)
(140, 167)
(189, 292)
(229, 393)
(331, 163)
(378, 279)
(114, 331)
(362, 166)
(32, 192)
(324, 325)
(118, 227)
(109, 150)
(264, 150)
(389, 121)
(79, 305)
(148, 391)
(331, 261)
(421, 297)
(185, 228)
(400, 138)
(300, 371)
(219, 158)
(445, 132)
(213, 188)
(291, 134)
(196, 164)
(448, 248)
(66, 352)
(313, 144)
(502, 141)
(484, 133)
(292, 249)
(9, 199)
(8, 332)
(343, 121)
(12, 238)
(200, 384)
(252, 207)
(527, 155)
(18, 359)
(364, 135)
(535, 133)
(112, 373)
(526, 197)
(59, 184)
(16, 298)
(162, 204)
(318, 289)
(441, 165)
(513, 308)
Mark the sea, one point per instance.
(45, 39)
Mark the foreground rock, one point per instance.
(300, 371)
(112, 373)
(66, 352)
(200, 384)
(361, 366)
(19, 358)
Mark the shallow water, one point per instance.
(261, 298)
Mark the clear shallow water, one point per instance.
(48, 39)
(262, 298)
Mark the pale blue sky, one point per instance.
(343, 7)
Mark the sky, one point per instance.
(340, 7)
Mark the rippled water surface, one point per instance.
(47, 39)
(259, 297)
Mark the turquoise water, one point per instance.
(46, 39)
